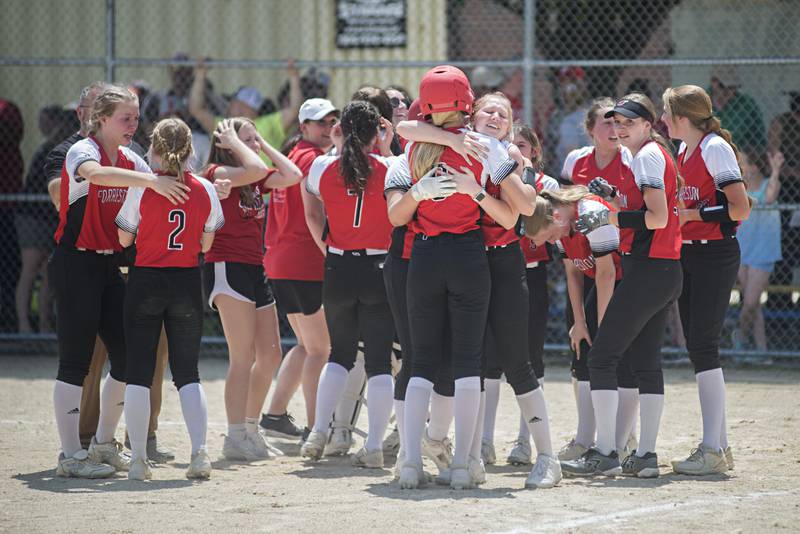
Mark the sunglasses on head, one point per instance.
(395, 102)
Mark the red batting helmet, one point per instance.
(445, 88)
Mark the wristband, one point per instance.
(529, 176)
(632, 219)
(718, 214)
(480, 195)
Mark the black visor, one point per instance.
(630, 109)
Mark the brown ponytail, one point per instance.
(360, 121)
(542, 216)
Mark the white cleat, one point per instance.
(546, 473)
(702, 461)
(314, 445)
(79, 465)
(439, 451)
(521, 452)
(140, 470)
(728, 457)
(475, 467)
(398, 466)
(488, 454)
(200, 466)
(339, 443)
(109, 453)
(244, 450)
(369, 459)
(391, 445)
(571, 451)
(263, 447)
(412, 476)
(460, 478)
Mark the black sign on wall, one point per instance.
(370, 23)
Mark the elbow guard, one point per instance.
(718, 214)
(632, 219)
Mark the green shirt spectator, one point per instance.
(737, 111)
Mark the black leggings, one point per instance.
(508, 320)
(709, 272)
(580, 367)
(395, 276)
(635, 321)
(356, 307)
(89, 293)
(448, 281)
(538, 303)
(171, 296)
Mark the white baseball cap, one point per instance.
(315, 109)
(250, 96)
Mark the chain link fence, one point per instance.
(551, 57)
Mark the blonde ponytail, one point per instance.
(425, 155)
(546, 201)
(171, 141)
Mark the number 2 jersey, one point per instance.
(356, 219)
(168, 235)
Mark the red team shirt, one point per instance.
(356, 220)
(87, 211)
(584, 250)
(168, 235)
(580, 168)
(240, 239)
(291, 253)
(652, 167)
(532, 253)
(707, 170)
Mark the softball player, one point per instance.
(164, 287)
(715, 200)
(358, 234)
(636, 315)
(294, 263)
(235, 284)
(84, 271)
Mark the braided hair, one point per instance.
(171, 141)
(360, 121)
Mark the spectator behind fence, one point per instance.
(738, 112)
(565, 131)
(400, 102)
(36, 221)
(11, 132)
(760, 243)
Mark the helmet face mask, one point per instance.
(445, 88)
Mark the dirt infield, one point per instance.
(289, 495)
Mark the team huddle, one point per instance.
(427, 240)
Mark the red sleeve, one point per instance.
(209, 174)
(262, 184)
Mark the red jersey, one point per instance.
(240, 240)
(532, 253)
(580, 168)
(652, 167)
(708, 169)
(291, 253)
(458, 213)
(168, 235)
(356, 219)
(584, 250)
(87, 211)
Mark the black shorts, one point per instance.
(241, 281)
(298, 296)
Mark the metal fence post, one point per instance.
(110, 39)
(529, 33)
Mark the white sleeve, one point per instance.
(398, 176)
(497, 162)
(129, 216)
(549, 183)
(560, 247)
(605, 239)
(569, 163)
(720, 161)
(315, 173)
(78, 154)
(139, 164)
(215, 219)
(648, 167)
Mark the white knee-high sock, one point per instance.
(524, 433)
(418, 395)
(711, 386)
(605, 402)
(651, 408)
(534, 410)
(441, 416)
(67, 406)
(723, 432)
(586, 422)
(626, 414)
(492, 395)
(112, 402)
(195, 414)
(346, 409)
(399, 419)
(467, 406)
(477, 437)
(332, 382)
(379, 409)
(137, 419)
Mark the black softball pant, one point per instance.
(538, 305)
(580, 367)
(448, 281)
(635, 321)
(356, 307)
(171, 296)
(89, 293)
(507, 346)
(709, 272)
(395, 277)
